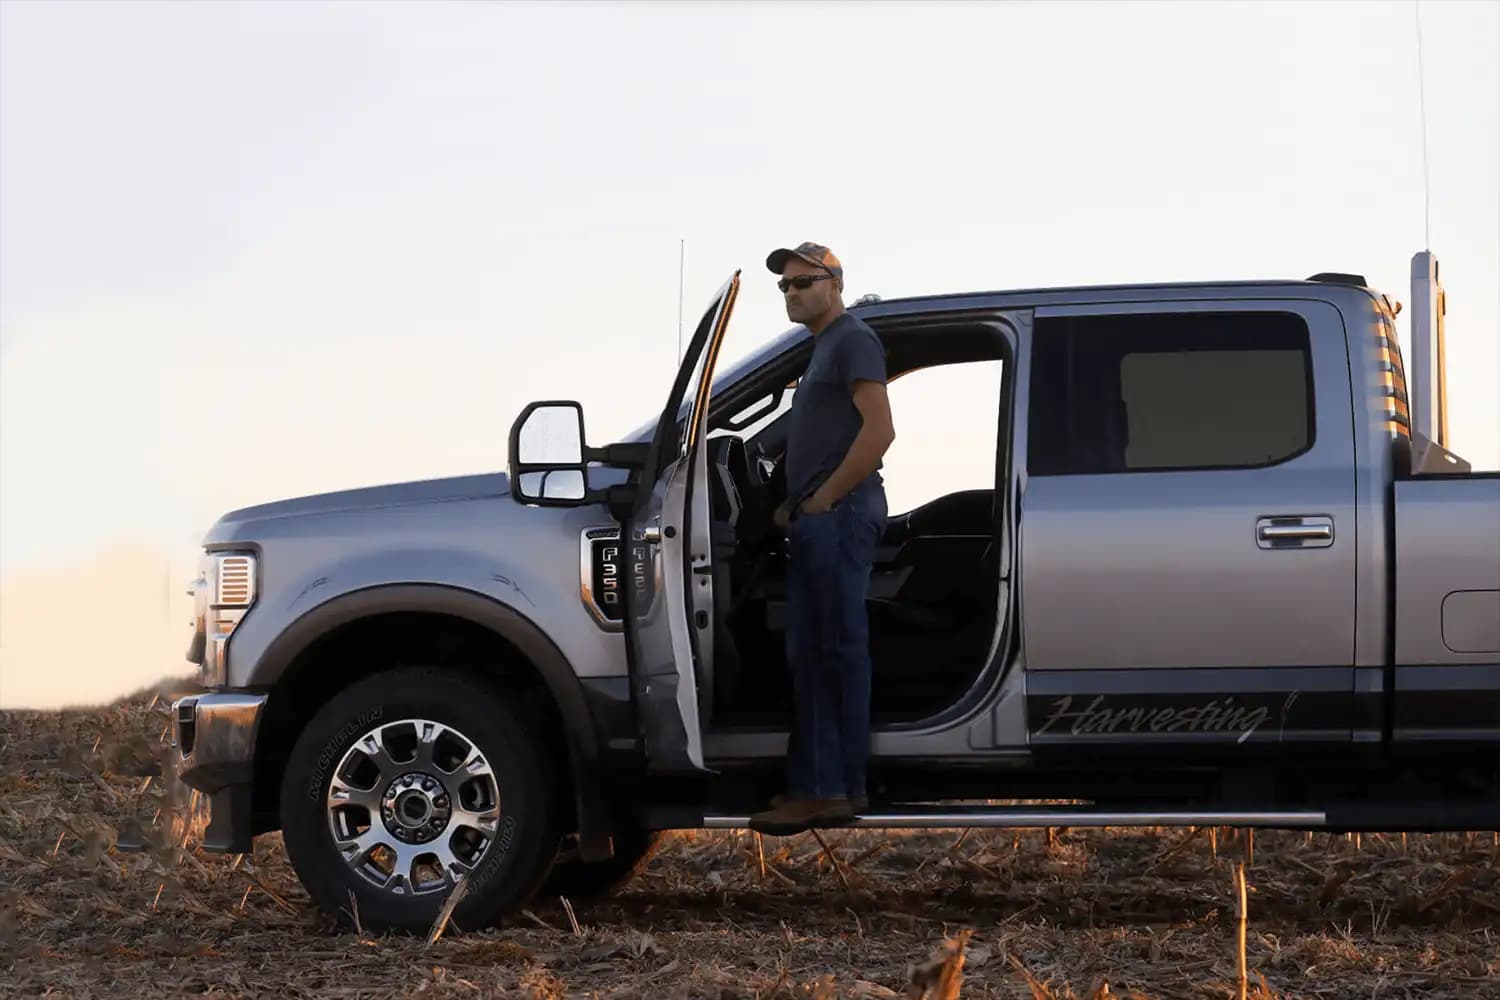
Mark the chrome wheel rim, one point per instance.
(412, 806)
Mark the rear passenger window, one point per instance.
(1164, 392)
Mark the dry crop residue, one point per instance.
(1082, 913)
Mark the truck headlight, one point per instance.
(223, 593)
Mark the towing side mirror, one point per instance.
(547, 459)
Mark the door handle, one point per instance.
(1294, 532)
(1285, 532)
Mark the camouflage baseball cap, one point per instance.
(814, 253)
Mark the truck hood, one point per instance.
(492, 484)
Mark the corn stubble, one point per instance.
(104, 892)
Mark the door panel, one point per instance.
(670, 642)
(1131, 569)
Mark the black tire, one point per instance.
(590, 881)
(509, 867)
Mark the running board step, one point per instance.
(1342, 817)
(918, 818)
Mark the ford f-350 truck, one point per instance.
(1225, 572)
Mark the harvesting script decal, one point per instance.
(1214, 716)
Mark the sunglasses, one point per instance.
(801, 282)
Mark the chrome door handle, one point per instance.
(1295, 531)
(1272, 532)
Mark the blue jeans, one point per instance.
(828, 643)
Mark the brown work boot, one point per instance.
(795, 815)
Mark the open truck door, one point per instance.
(670, 638)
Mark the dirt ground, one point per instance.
(1114, 913)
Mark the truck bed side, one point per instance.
(1447, 613)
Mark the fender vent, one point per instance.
(235, 580)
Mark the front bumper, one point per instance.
(214, 736)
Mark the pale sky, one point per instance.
(255, 251)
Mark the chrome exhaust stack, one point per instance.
(1429, 383)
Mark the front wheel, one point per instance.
(408, 781)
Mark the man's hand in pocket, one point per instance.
(815, 504)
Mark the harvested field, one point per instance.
(1084, 914)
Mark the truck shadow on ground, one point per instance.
(1079, 881)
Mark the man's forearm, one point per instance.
(862, 459)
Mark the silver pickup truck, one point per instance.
(1225, 572)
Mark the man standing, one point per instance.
(835, 511)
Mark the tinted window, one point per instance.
(1183, 391)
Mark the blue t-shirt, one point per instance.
(824, 419)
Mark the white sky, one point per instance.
(255, 251)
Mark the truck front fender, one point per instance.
(551, 666)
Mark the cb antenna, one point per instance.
(1416, 7)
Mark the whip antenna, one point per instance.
(1416, 7)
